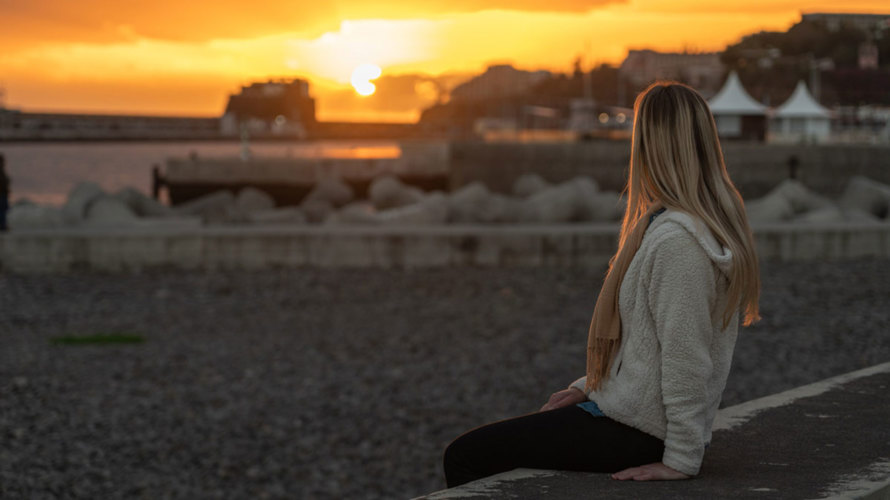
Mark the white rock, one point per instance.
(605, 206)
(529, 184)
(214, 207)
(866, 195)
(109, 211)
(787, 200)
(332, 190)
(316, 211)
(586, 193)
(802, 198)
(432, 210)
(143, 205)
(22, 217)
(821, 216)
(470, 203)
(835, 214)
(502, 209)
(284, 215)
(855, 215)
(79, 199)
(769, 209)
(390, 192)
(570, 201)
(168, 222)
(548, 206)
(250, 199)
(357, 212)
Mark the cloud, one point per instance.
(100, 21)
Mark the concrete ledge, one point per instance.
(257, 247)
(825, 440)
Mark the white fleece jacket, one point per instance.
(671, 368)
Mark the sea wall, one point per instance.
(123, 249)
(755, 168)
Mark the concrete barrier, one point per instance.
(245, 247)
(755, 168)
(824, 440)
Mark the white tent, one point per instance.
(800, 118)
(737, 114)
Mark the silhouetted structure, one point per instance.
(703, 71)
(500, 80)
(275, 107)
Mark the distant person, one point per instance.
(4, 193)
(793, 167)
(665, 323)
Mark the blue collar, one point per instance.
(656, 214)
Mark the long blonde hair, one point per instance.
(676, 159)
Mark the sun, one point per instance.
(362, 76)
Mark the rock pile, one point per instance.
(863, 200)
(532, 200)
(88, 205)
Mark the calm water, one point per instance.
(45, 173)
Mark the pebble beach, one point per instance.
(340, 383)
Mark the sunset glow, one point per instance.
(184, 59)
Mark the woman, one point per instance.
(664, 325)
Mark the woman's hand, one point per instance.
(564, 397)
(650, 472)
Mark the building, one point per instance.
(737, 114)
(800, 119)
(835, 21)
(498, 81)
(702, 71)
(273, 108)
(868, 56)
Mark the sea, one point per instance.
(45, 172)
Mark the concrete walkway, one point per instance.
(830, 439)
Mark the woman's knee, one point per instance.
(455, 452)
(455, 463)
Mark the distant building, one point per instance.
(582, 115)
(736, 113)
(272, 108)
(868, 55)
(835, 21)
(498, 81)
(702, 71)
(800, 119)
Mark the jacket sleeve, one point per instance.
(581, 385)
(682, 291)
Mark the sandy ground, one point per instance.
(339, 383)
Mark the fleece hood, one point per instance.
(677, 220)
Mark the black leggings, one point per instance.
(567, 438)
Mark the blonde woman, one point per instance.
(665, 322)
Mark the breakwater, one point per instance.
(755, 168)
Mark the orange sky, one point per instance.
(174, 57)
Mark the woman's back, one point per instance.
(674, 347)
